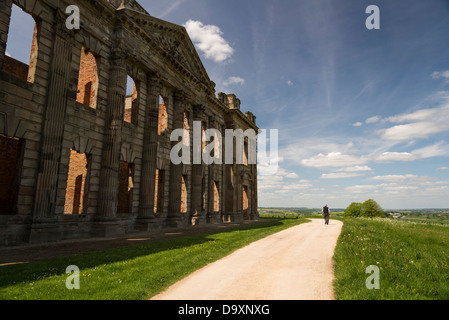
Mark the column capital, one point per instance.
(179, 97)
(198, 112)
(154, 81)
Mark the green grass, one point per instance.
(131, 273)
(412, 259)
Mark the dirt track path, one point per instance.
(294, 264)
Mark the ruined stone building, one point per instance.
(85, 127)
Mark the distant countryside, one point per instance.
(416, 215)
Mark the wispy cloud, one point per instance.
(208, 39)
(234, 80)
(441, 75)
(170, 8)
(373, 119)
(341, 175)
(417, 130)
(333, 159)
(395, 156)
(419, 124)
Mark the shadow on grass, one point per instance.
(33, 271)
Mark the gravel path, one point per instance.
(294, 264)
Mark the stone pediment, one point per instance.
(174, 41)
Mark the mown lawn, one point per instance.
(413, 260)
(129, 273)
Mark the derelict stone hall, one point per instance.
(85, 127)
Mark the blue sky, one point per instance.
(361, 113)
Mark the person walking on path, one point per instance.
(326, 214)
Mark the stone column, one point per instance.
(44, 226)
(197, 171)
(174, 217)
(149, 161)
(110, 165)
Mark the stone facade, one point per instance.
(81, 157)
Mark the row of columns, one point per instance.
(52, 137)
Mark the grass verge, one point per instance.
(129, 273)
(412, 259)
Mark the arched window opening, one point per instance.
(163, 117)
(131, 101)
(87, 79)
(20, 61)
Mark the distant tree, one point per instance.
(372, 209)
(353, 210)
(368, 209)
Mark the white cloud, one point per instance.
(396, 156)
(441, 74)
(431, 114)
(357, 124)
(208, 39)
(360, 188)
(290, 83)
(435, 150)
(407, 179)
(234, 80)
(356, 169)
(373, 119)
(395, 177)
(333, 159)
(413, 130)
(443, 168)
(422, 123)
(340, 175)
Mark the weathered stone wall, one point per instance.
(93, 162)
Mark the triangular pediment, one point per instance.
(175, 41)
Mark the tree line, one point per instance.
(368, 209)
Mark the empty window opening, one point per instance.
(245, 203)
(203, 138)
(20, 60)
(76, 191)
(10, 166)
(131, 100)
(163, 117)
(184, 194)
(216, 198)
(245, 153)
(125, 188)
(87, 79)
(186, 129)
(159, 191)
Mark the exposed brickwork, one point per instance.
(16, 68)
(163, 119)
(87, 79)
(76, 181)
(120, 178)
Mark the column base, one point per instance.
(147, 224)
(233, 217)
(42, 232)
(107, 227)
(175, 221)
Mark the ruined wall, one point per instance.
(99, 164)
